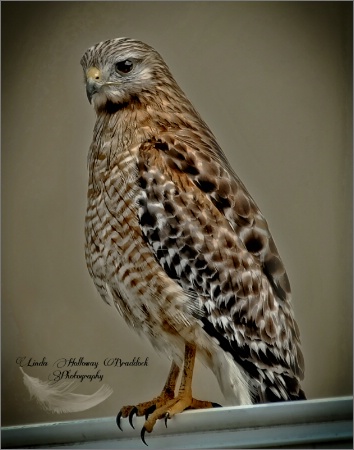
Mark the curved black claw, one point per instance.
(119, 415)
(149, 411)
(131, 415)
(142, 435)
(216, 405)
(167, 416)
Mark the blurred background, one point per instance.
(273, 80)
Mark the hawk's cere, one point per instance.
(175, 241)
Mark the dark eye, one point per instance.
(124, 66)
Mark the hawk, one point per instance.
(177, 244)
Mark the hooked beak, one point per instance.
(93, 82)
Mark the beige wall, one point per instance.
(273, 81)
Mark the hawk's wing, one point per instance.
(209, 236)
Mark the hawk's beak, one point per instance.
(93, 82)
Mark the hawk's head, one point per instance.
(120, 69)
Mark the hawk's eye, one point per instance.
(124, 67)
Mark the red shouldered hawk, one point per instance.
(175, 241)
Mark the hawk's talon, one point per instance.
(216, 405)
(167, 416)
(142, 435)
(149, 411)
(131, 415)
(119, 415)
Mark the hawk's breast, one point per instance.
(122, 265)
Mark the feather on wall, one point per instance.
(60, 398)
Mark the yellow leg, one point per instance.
(184, 399)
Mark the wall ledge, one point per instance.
(322, 423)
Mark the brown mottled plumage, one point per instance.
(175, 241)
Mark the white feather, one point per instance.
(59, 398)
(233, 380)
